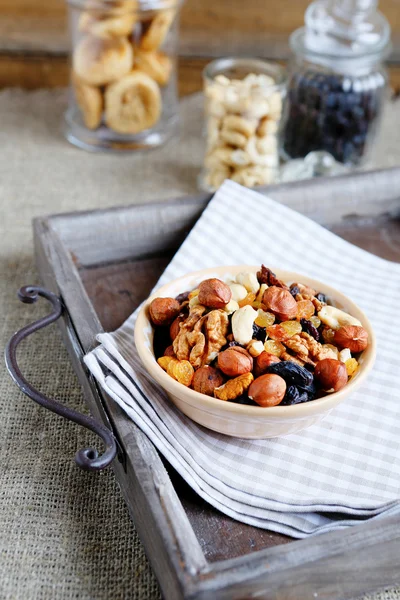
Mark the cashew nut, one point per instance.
(242, 324)
(249, 280)
(239, 292)
(231, 307)
(334, 317)
(344, 355)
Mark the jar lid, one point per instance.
(344, 30)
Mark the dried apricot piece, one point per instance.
(264, 319)
(305, 309)
(351, 366)
(182, 371)
(234, 388)
(164, 361)
(249, 299)
(291, 327)
(274, 347)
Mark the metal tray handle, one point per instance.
(87, 458)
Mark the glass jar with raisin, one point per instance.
(337, 81)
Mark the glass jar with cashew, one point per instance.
(257, 340)
(123, 92)
(243, 106)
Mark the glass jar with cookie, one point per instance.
(123, 93)
(243, 107)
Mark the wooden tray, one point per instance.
(103, 264)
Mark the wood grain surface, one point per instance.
(34, 40)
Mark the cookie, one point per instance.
(106, 25)
(100, 61)
(133, 103)
(156, 64)
(158, 30)
(89, 100)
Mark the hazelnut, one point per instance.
(235, 361)
(175, 326)
(169, 351)
(214, 293)
(262, 363)
(280, 302)
(268, 390)
(351, 336)
(163, 311)
(206, 379)
(331, 374)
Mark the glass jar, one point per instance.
(243, 106)
(123, 92)
(337, 82)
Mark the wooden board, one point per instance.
(197, 552)
(34, 41)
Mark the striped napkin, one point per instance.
(335, 474)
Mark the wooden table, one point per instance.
(34, 40)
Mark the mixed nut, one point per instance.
(242, 122)
(257, 340)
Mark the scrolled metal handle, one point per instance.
(87, 458)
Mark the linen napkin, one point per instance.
(335, 474)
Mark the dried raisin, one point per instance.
(293, 374)
(308, 327)
(259, 333)
(291, 327)
(274, 347)
(305, 309)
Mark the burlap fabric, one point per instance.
(65, 533)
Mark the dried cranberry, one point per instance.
(308, 327)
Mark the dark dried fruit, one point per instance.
(294, 290)
(232, 344)
(244, 399)
(268, 277)
(294, 396)
(321, 297)
(293, 374)
(331, 112)
(308, 327)
(259, 333)
(182, 297)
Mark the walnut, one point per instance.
(297, 345)
(197, 342)
(215, 330)
(234, 388)
(201, 337)
(318, 351)
(318, 304)
(291, 358)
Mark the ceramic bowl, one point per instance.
(252, 422)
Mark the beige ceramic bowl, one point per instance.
(236, 419)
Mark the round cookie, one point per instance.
(89, 100)
(100, 61)
(133, 103)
